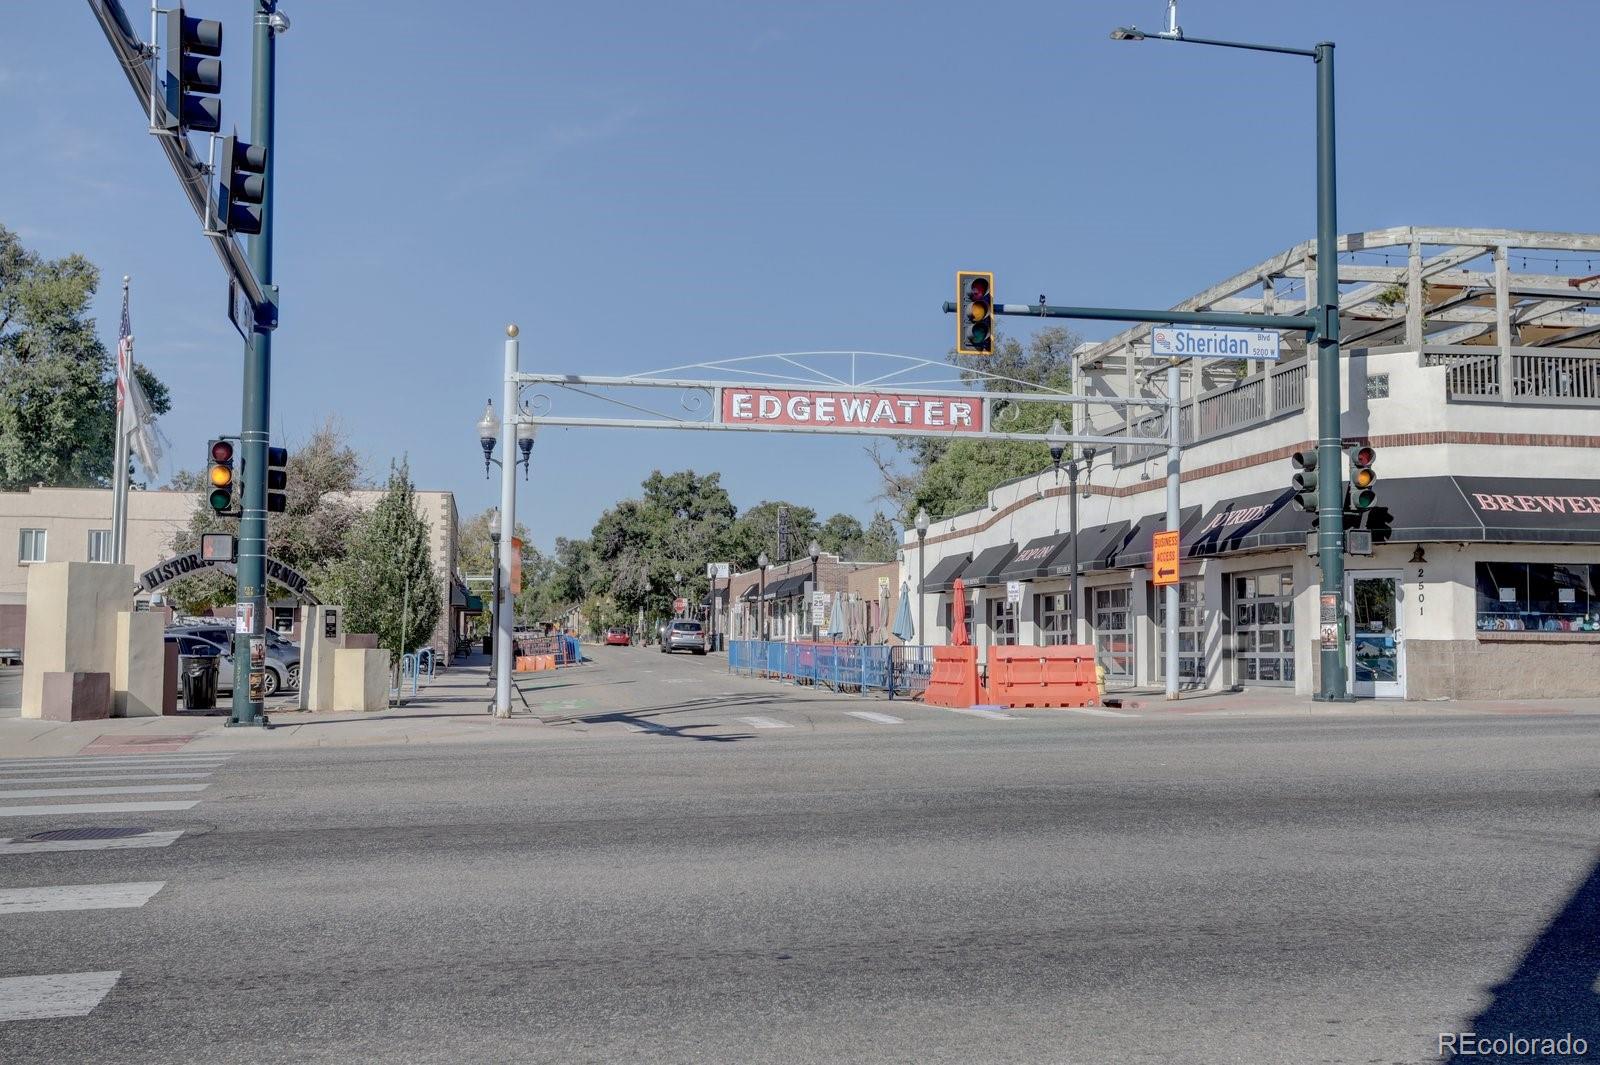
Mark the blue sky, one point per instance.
(643, 185)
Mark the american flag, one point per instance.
(138, 420)
(124, 353)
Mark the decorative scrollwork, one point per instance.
(538, 404)
(696, 401)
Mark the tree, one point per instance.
(386, 582)
(539, 600)
(948, 477)
(57, 381)
(312, 533)
(639, 546)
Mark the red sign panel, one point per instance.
(843, 411)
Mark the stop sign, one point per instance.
(680, 604)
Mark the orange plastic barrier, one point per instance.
(1063, 675)
(533, 663)
(954, 681)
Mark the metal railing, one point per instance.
(898, 671)
(1233, 408)
(1559, 376)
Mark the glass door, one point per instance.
(1113, 634)
(1377, 654)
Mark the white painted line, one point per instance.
(978, 711)
(131, 789)
(95, 808)
(50, 776)
(876, 718)
(1095, 711)
(78, 897)
(147, 839)
(149, 761)
(34, 998)
(764, 722)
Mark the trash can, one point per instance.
(488, 643)
(197, 674)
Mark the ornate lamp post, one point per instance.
(921, 522)
(761, 597)
(813, 549)
(1076, 466)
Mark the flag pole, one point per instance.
(119, 475)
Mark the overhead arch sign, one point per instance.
(165, 572)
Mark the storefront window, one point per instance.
(1263, 627)
(944, 613)
(1002, 621)
(1538, 597)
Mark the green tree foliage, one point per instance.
(312, 533)
(640, 546)
(386, 581)
(538, 601)
(57, 380)
(949, 477)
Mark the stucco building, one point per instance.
(1469, 363)
(74, 525)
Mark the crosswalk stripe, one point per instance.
(764, 722)
(151, 760)
(50, 776)
(78, 897)
(32, 998)
(41, 846)
(131, 789)
(95, 808)
(978, 711)
(876, 718)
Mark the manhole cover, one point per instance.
(84, 833)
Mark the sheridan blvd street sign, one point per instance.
(1200, 342)
(864, 410)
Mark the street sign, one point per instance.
(1166, 558)
(883, 587)
(241, 312)
(680, 604)
(1013, 592)
(1191, 341)
(718, 571)
(819, 608)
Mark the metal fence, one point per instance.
(1537, 375)
(1237, 406)
(898, 671)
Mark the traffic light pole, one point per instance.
(253, 434)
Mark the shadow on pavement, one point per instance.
(1552, 990)
(656, 728)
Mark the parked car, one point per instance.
(618, 638)
(282, 664)
(684, 636)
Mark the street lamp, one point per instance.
(814, 549)
(677, 583)
(761, 597)
(488, 437)
(1330, 490)
(921, 522)
(494, 593)
(1077, 465)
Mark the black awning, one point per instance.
(1139, 547)
(1034, 558)
(1250, 523)
(750, 593)
(788, 587)
(1509, 509)
(944, 575)
(985, 569)
(1096, 546)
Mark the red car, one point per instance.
(618, 638)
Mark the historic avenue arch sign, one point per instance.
(164, 573)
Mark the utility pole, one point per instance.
(1174, 458)
(253, 423)
(119, 462)
(509, 415)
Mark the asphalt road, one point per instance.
(824, 887)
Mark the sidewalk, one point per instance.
(453, 708)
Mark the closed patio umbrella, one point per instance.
(905, 630)
(958, 615)
(836, 624)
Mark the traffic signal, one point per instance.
(243, 169)
(975, 313)
(1305, 480)
(194, 73)
(277, 479)
(219, 477)
(1363, 477)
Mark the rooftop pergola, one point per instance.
(1410, 287)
